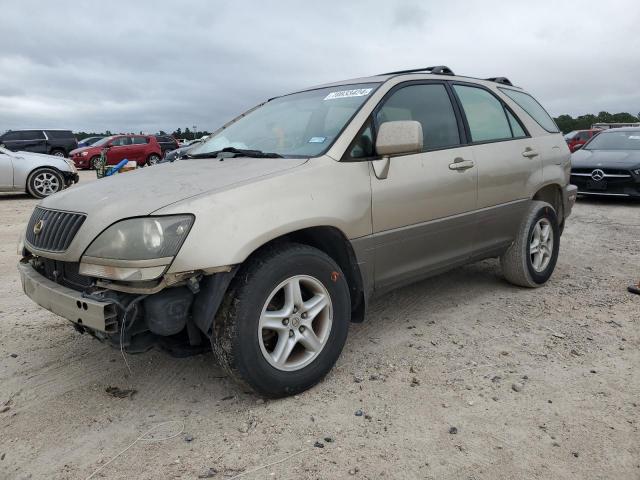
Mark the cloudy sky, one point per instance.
(149, 66)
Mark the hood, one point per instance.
(605, 158)
(148, 189)
(82, 149)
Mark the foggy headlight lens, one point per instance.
(142, 238)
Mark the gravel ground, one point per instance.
(460, 376)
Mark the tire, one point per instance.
(44, 182)
(153, 159)
(525, 265)
(246, 347)
(92, 162)
(58, 153)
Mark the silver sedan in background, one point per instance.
(37, 174)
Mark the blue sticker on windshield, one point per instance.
(317, 139)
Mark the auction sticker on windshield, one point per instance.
(358, 92)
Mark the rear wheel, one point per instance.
(284, 321)
(531, 259)
(58, 153)
(44, 182)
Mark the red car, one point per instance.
(142, 149)
(579, 137)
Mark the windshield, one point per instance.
(612, 140)
(302, 124)
(570, 135)
(104, 141)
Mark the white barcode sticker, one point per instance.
(358, 92)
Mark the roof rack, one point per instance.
(502, 80)
(436, 70)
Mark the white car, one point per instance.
(37, 174)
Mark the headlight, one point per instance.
(72, 165)
(85, 153)
(636, 171)
(136, 248)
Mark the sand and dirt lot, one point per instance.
(460, 376)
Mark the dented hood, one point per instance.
(149, 189)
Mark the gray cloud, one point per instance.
(147, 66)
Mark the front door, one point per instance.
(6, 172)
(120, 149)
(422, 211)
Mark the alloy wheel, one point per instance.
(541, 245)
(46, 183)
(295, 323)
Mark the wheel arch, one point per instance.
(552, 194)
(333, 242)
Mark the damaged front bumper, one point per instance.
(100, 316)
(178, 318)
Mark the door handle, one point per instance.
(461, 164)
(529, 153)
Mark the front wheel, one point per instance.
(532, 257)
(284, 321)
(44, 182)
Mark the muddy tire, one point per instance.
(284, 320)
(532, 257)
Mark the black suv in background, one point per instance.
(52, 142)
(167, 143)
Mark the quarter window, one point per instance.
(485, 114)
(428, 104)
(533, 108)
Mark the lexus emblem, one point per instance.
(37, 228)
(597, 174)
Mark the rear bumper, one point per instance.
(569, 195)
(67, 303)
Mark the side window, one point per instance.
(516, 126)
(11, 136)
(485, 114)
(428, 104)
(363, 146)
(32, 135)
(533, 108)
(121, 141)
(139, 140)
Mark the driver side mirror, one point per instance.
(399, 137)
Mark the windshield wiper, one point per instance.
(236, 152)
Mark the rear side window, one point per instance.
(59, 134)
(516, 126)
(485, 114)
(428, 104)
(533, 108)
(140, 140)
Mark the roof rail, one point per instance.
(502, 80)
(436, 70)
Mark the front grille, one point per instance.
(55, 229)
(63, 273)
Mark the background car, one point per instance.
(37, 174)
(579, 137)
(174, 154)
(86, 142)
(167, 143)
(142, 149)
(52, 142)
(609, 164)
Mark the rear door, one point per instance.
(33, 141)
(508, 165)
(138, 148)
(423, 211)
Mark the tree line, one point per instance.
(186, 134)
(567, 123)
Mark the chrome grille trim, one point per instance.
(58, 229)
